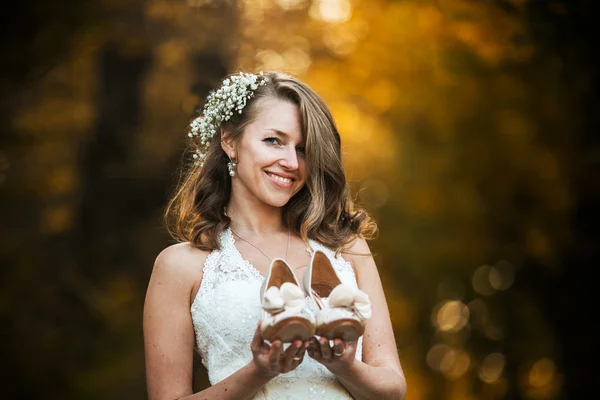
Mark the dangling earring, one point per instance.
(231, 167)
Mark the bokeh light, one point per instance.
(502, 275)
(492, 367)
(542, 372)
(455, 363)
(450, 316)
(481, 281)
(332, 11)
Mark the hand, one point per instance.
(336, 358)
(272, 360)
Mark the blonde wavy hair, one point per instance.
(322, 210)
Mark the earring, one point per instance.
(231, 167)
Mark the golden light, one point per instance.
(270, 60)
(171, 53)
(382, 94)
(492, 367)
(482, 320)
(292, 4)
(481, 281)
(341, 41)
(296, 60)
(455, 363)
(493, 331)
(56, 219)
(375, 193)
(436, 354)
(293, 60)
(333, 11)
(451, 316)
(198, 3)
(61, 180)
(259, 4)
(542, 372)
(502, 275)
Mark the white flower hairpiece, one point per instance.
(221, 105)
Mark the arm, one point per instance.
(169, 336)
(379, 375)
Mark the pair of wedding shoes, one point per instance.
(342, 310)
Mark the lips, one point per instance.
(281, 181)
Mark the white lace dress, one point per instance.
(225, 313)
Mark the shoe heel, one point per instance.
(343, 310)
(285, 313)
(289, 330)
(346, 330)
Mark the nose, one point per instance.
(289, 159)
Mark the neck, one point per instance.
(255, 217)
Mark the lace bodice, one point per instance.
(225, 313)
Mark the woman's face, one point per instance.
(271, 166)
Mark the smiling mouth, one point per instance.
(279, 178)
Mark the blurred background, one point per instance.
(469, 132)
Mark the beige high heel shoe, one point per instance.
(285, 313)
(343, 309)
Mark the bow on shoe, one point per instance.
(353, 299)
(287, 297)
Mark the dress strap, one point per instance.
(211, 265)
(226, 264)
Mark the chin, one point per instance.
(277, 200)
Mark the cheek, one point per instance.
(261, 157)
(302, 170)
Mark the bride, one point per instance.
(265, 182)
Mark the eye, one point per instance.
(272, 140)
(301, 150)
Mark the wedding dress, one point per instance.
(225, 314)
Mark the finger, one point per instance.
(257, 340)
(300, 353)
(275, 353)
(338, 347)
(291, 351)
(314, 349)
(325, 349)
(289, 354)
(350, 347)
(265, 348)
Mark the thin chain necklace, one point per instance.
(270, 259)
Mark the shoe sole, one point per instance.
(348, 330)
(289, 330)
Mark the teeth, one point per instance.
(280, 179)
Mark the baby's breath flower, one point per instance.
(220, 106)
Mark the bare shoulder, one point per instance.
(358, 246)
(180, 256)
(359, 255)
(180, 262)
(357, 251)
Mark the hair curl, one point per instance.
(322, 210)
